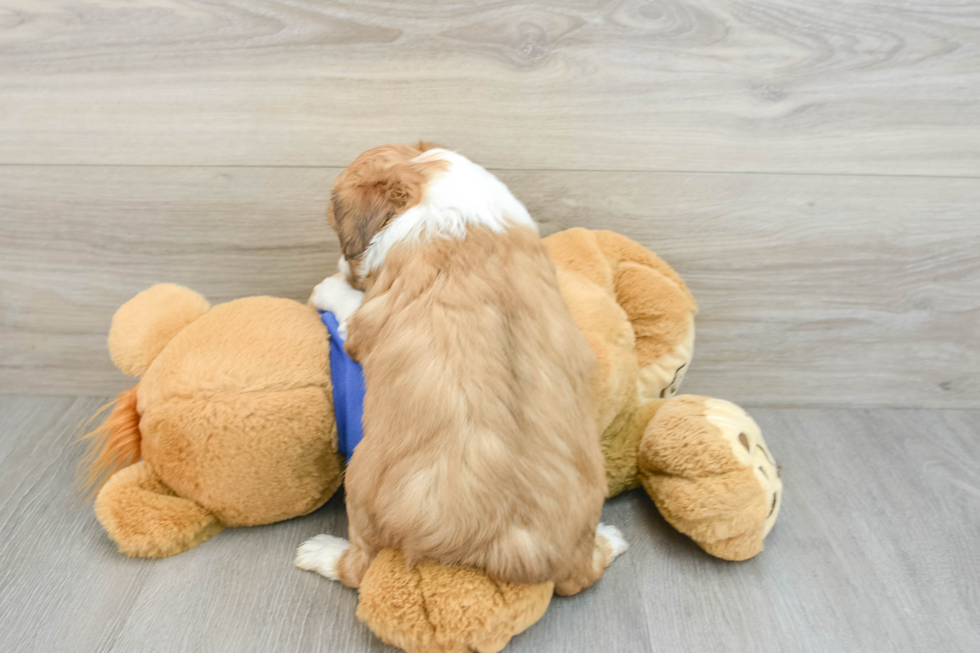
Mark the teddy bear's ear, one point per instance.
(143, 326)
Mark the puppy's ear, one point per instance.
(369, 195)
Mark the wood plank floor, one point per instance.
(875, 550)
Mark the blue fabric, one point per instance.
(348, 389)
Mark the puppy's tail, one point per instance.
(112, 445)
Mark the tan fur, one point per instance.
(147, 519)
(657, 304)
(478, 395)
(698, 485)
(480, 445)
(632, 308)
(235, 418)
(443, 609)
(242, 398)
(143, 326)
(112, 445)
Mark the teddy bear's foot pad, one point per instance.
(706, 466)
(321, 554)
(745, 438)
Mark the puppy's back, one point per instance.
(480, 442)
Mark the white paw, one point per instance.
(335, 295)
(615, 538)
(321, 555)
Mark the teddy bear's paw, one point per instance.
(706, 466)
(321, 554)
(146, 518)
(745, 439)
(426, 607)
(615, 543)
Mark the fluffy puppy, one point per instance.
(480, 445)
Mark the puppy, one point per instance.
(480, 445)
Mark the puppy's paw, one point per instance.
(614, 537)
(335, 295)
(321, 555)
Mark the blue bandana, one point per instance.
(348, 389)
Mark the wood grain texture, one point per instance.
(874, 552)
(703, 85)
(814, 290)
(101, 234)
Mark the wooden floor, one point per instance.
(812, 169)
(875, 551)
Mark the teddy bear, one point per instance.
(232, 424)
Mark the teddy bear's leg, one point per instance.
(704, 463)
(424, 607)
(146, 519)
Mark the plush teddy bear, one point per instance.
(232, 424)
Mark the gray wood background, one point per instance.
(810, 168)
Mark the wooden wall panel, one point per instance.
(814, 290)
(705, 85)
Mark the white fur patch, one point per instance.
(615, 538)
(321, 555)
(334, 294)
(465, 194)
